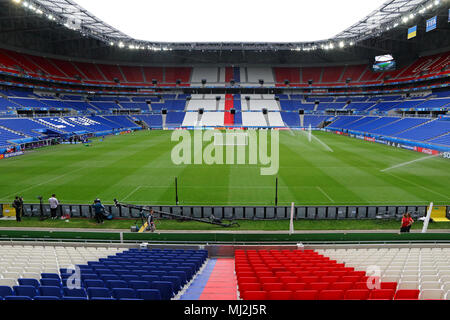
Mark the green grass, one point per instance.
(267, 225)
(137, 168)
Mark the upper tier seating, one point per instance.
(6, 136)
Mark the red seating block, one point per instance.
(341, 285)
(254, 295)
(319, 285)
(273, 286)
(330, 279)
(249, 287)
(382, 294)
(305, 295)
(280, 295)
(268, 280)
(310, 279)
(407, 295)
(288, 279)
(331, 295)
(388, 285)
(247, 280)
(357, 294)
(295, 286)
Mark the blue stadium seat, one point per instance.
(108, 277)
(150, 278)
(116, 284)
(6, 291)
(46, 298)
(122, 293)
(98, 293)
(181, 275)
(51, 282)
(17, 298)
(140, 284)
(165, 288)
(51, 291)
(74, 298)
(176, 283)
(129, 277)
(26, 291)
(74, 292)
(149, 294)
(28, 282)
(94, 284)
(89, 276)
(101, 298)
(50, 276)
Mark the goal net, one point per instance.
(230, 139)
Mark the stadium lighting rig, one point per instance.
(390, 15)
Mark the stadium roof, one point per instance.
(68, 13)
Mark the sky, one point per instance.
(230, 20)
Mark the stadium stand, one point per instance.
(35, 272)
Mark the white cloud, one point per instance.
(231, 20)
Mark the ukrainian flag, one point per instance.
(412, 32)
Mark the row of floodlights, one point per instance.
(323, 46)
(343, 44)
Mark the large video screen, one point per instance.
(384, 63)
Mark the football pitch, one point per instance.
(137, 168)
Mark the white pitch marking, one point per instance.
(408, 162)
(134, 190)
(326, 195)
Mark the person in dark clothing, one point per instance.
(99, 210)
(151, 222)
(18, 206)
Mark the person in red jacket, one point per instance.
(407, 222)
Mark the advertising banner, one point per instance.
(13, 154)
(427, 151)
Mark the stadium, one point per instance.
(229, 170)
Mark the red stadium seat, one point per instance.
(331, 295)
(357, 294)
(353, 279)
(382, 294)
(305, 295)
(360, 285)
(273, 286)
(407, 295)
(268, 280)
(255, 295)
(330, 279)
(247, 280)
(318, 286)
(310, 279)
(388, 285)
(249, 287)
(288, 279)
(280, 295)
(295, 286)
(341, 286)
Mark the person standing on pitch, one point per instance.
(54, 203)
(17, 205)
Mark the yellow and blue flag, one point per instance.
(412, 32)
